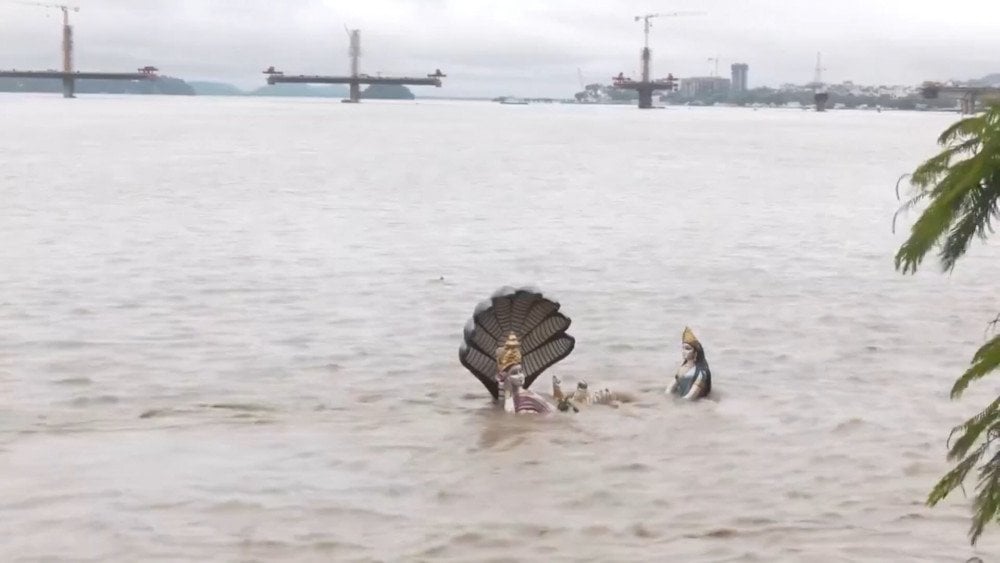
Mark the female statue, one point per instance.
(693, 379)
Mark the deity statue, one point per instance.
(693, 379)
(510, 340)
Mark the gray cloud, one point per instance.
(518, 46)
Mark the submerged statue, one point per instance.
(693, 379)
(510, 376)
(510, 340)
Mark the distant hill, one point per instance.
(163, 85)
(387, 92)
(301, 90)
(176, 86)
(988, 80)
(203, 88)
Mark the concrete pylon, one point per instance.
(69, 87)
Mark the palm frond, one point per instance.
(972, 429)
(919, 196)
(954, 478)
(975, 220)
(962, 129)
(962, 184)
(986, 360)
(927, 173)
(987, 504)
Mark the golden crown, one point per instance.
(688, 337)
(510, 353)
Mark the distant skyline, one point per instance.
(515, 47)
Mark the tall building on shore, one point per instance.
(740, 71)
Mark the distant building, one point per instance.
(703, 86)
(740, 71)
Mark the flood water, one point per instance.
(229, 331)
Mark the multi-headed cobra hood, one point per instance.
(514, 326)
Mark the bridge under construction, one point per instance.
(968, 95)
(67, 74)
(355, 79)
(647, 86)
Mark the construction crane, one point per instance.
(645, 87)
(714, 59)
(354, 51)
(65, 9)
(67, 46)
(646, 27)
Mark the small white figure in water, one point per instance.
(583, 397)
(693, 379)
(563, 403)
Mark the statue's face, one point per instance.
(512, 371)
(516, 376)
(688, 352)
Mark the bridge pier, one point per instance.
(968, 103)
(645, 98)
(820, 98)
(69, 87)
(355, 93)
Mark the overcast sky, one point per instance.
(516, 47)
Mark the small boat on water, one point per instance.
(512, 101)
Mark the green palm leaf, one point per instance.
(987, 503)
(974, 428)
(954, 478)
(986, 360)
(961, 186)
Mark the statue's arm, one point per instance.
(506, 398)
(673, 385)
(695, 391)
(508, 404)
